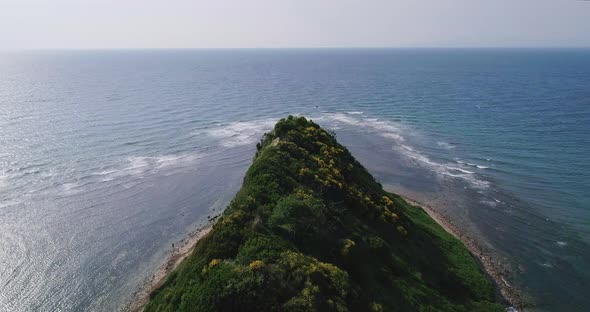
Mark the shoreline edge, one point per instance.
(495, 271)
(179, 253)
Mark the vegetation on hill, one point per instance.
(311, 230)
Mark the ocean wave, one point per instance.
(248, 132)
(241, 132)
(446, 145)
(142, 165)
(384, 129)
(355, 113)
(338, 118)
(394, 132)
(394, 136)
(107, 174)
(490, 203)
(452, 168)
(471, 164)
(446, 170)
(546, 265)
(71, 188)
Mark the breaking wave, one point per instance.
(241, 132)
(395, 132)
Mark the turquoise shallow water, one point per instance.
(108, 157)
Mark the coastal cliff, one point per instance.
(311, 230)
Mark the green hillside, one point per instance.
(311, 230)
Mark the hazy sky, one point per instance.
(298, 23)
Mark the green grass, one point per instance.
(311, 230)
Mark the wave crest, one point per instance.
(241, 132)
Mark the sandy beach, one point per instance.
(496, 270)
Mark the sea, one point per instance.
(108, 157)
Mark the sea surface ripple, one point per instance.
(109, 157)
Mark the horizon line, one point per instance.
(298, 48)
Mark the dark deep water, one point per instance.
(110, 156)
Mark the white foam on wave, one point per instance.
(378, 127)
(446, 170)
(166, 161)
(561, 243)
(395, 136)
(140, 166)
(339, 118)
(471, 164)
(107, 175)
(248, 132)
(490, 203)
(445, 145)
(240, 132)
(394, 132)
(409, 148)
(452, 168)
(73, 187)
(70, 188)
(547, 265)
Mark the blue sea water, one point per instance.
(109, 157)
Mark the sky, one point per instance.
(110, 24)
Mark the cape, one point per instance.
(312, 230)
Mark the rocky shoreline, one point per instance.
(499, 272)
(496, 270)
(179, 252)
